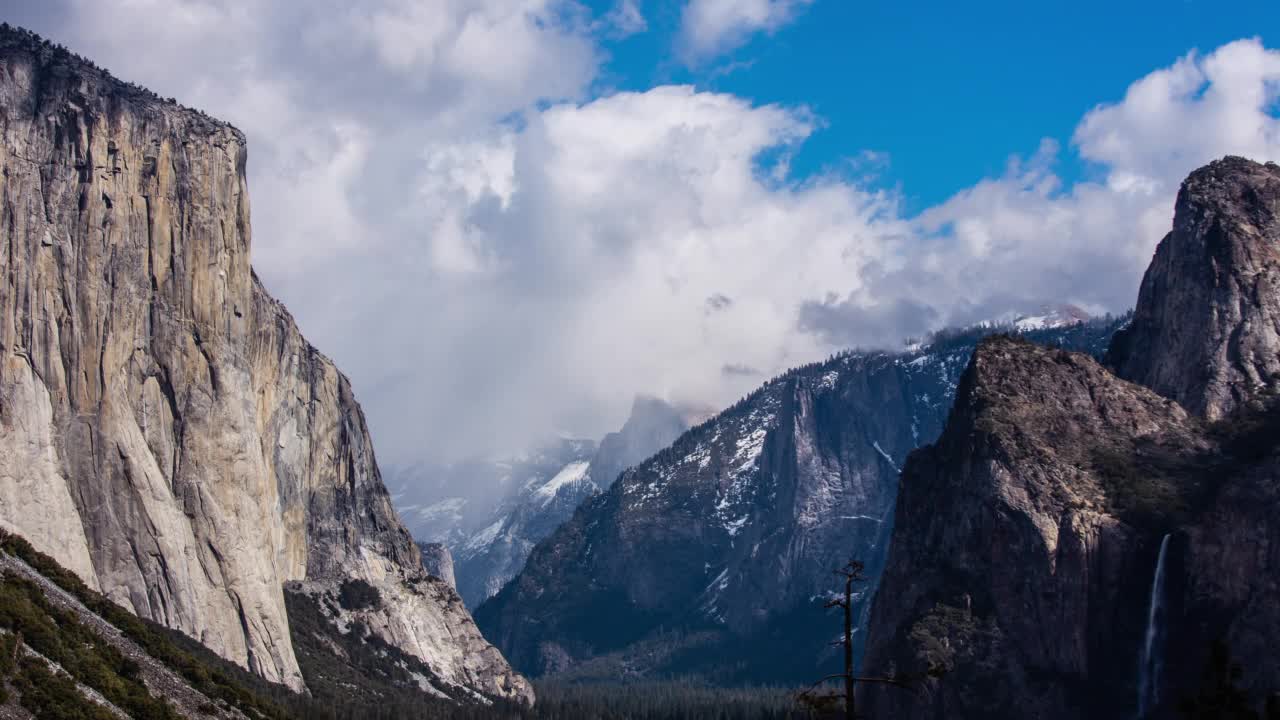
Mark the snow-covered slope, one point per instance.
(490, 514)
(494, 554)
(1052, 316)
(722, 545)
(570, 477)
(484, 511)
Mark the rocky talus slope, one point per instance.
(1022, 576)
(168, 434)
(714, 556)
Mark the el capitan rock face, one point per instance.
(1020, 574)
(168, 434)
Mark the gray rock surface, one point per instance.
(1016, 553)
(438, 561)
(168, 433)
(1206, 329)
(652, 425)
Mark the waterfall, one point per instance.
(1152, 650)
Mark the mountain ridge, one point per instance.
(728, 535)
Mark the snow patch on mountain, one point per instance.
(569, 475)
(485, 537)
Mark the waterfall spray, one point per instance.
(1152, 646)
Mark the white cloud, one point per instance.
(625, 19)
(489, 267)
(712, 27)
(1182, 116)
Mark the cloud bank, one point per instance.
(495, 253)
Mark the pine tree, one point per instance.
(851, 573)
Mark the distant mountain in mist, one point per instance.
(490, 514)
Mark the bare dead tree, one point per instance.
(851, 573)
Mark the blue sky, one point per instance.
(504, 218)
(947, 90)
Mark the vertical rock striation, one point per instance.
(168, 433)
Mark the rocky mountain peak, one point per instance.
(491, 514)
(1206, 329)
(653, 424)
(438, 561)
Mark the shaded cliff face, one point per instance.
(1017, 566)
(722, 545)
(1206, 329)
(1021, 567)
(167, 432)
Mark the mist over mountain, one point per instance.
(490, 514)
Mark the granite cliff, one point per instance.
(168, 434)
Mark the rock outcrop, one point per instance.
(1020, 577)
(438, 561)
(168, 434)
(1012, 569)
(1206, 329)
(722, 545)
